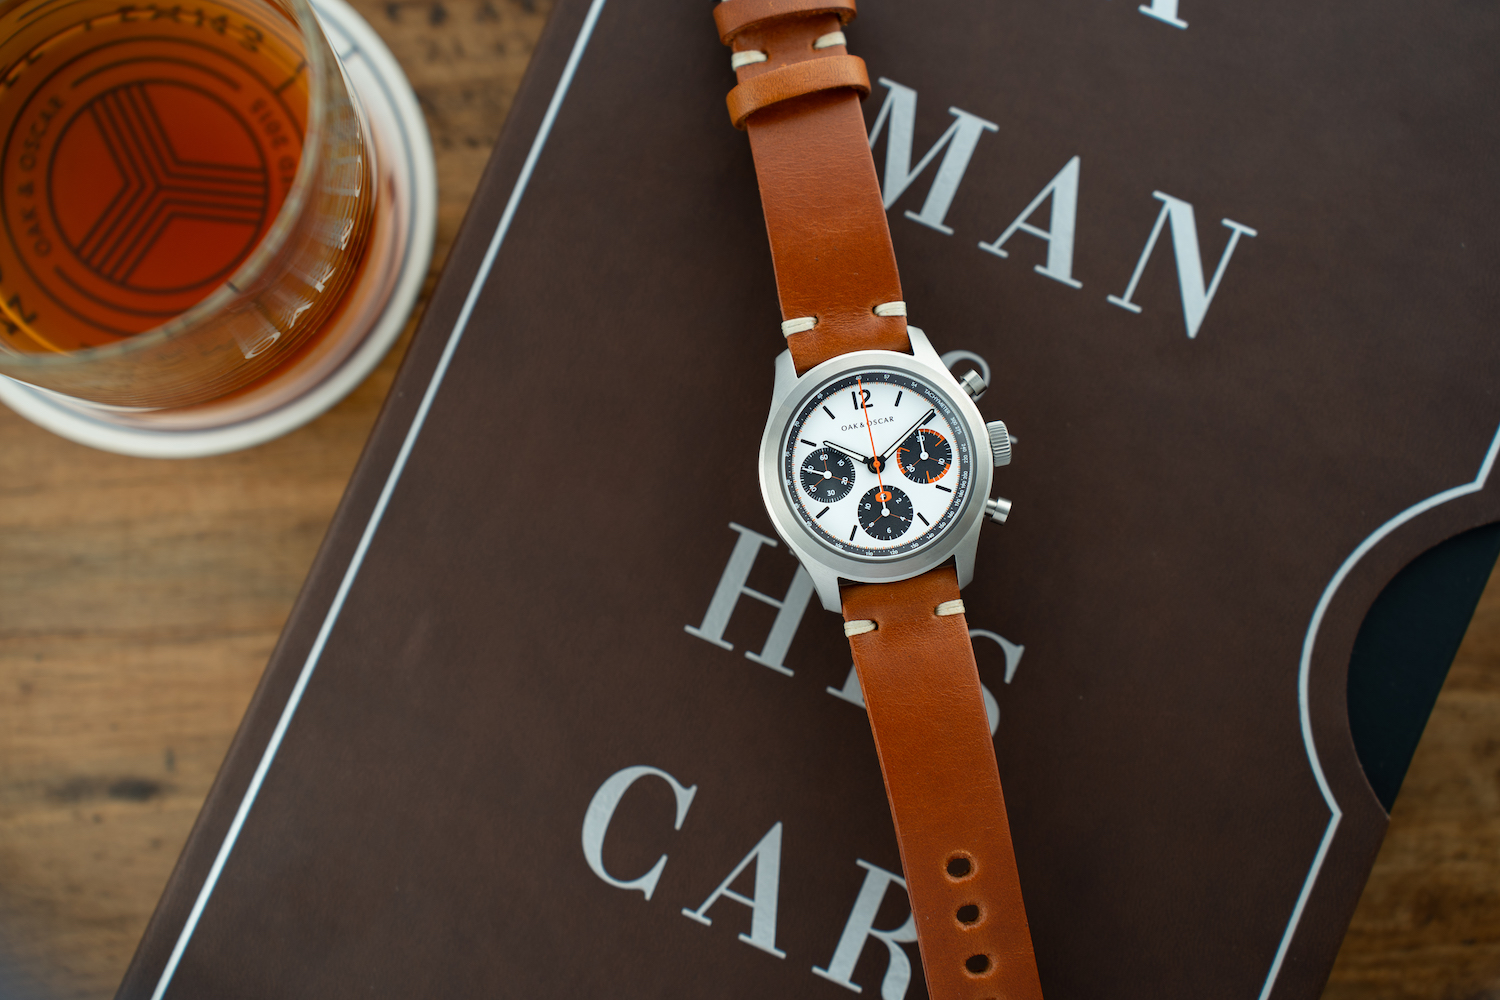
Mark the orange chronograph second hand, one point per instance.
(864, 407)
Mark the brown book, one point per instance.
(554, 715)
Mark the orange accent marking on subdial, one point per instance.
(905, 458)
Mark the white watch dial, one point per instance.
(877, 463)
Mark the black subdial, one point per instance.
(925, 456)
(885, 513)
(827, 476)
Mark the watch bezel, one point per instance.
(788, 399)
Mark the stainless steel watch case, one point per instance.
(827, 567)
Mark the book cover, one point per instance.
(555, 714)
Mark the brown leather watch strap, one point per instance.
(917, 671)
(829, 240)
(734, 16)
(797, 99)
(795, 80)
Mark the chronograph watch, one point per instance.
(876, 468)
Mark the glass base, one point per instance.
(350, 345)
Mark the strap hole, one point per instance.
(959, 866)
(968, 913)
(977, 964)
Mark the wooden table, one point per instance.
(139, 601)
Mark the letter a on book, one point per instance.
(767, 858)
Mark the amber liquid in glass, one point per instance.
(147, 149)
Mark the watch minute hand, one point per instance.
(897, 443)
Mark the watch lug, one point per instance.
(922, 348)
(827, 584)
(786, 378)
(964, 555)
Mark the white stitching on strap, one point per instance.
(954, 607)
(799, 325)
(746, 58)
(829, 40)
(858, 627)
(897, 308)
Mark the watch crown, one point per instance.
(999, 442)
(973, 384)
(997, 509)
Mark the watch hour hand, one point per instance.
(852, 454)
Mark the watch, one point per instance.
(876, 468)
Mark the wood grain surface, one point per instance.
(140, 599)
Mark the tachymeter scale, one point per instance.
(845, 440)
(827, 476)
(924, 457)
